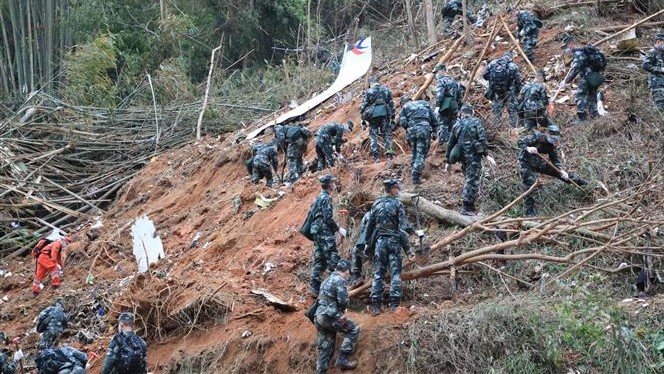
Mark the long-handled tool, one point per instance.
(422, 252)
(556, 169)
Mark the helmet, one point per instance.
(342, 265)
(326, 179)
(390, 183)
(467, 108)
(440, 67)
(126, 317)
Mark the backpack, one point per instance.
(41, 244)
(449, 98)
(596, 59)
(305, 230)
(131, 355)
(50, 361)
(500, 76)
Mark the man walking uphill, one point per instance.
(419, 121)
(49, 261)
(653, 63)
(323, 228)
(377, 109)
(331, 318)
(388, 216)
(588, 63)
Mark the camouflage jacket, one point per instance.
(539, 141)
(365, 231)
(49, 316)
(469, 135)
(324, 223)
(53, 360)
(333, 296)
(503, 76)
(267, 155)
(388, 216)
(280, 136)
(527, 22)
(446, 87)
(653, 61)
(581, 63)
(533, 96)
(298, 135)
(375, 93)
(331, 133)
(418, 115)
(7, 366)
(115, 351)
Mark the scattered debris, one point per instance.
(275, 301)
(148, 248)
(246, 334)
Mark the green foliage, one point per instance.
(87, 81)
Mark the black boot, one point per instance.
(314, 289)
(375, 308)
(530, 211)
(417, 179)
(468, 209)
(390, 156)
(394, 304)
(344, 363)
(579, 181)
(581, 118)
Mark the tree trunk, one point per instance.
(411, 23)
(10, 64)
(431, 21)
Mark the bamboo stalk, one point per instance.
(494, 31)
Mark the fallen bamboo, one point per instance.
(517, 46)
(628, 28)
(494, 30)
(430, 76)
(620, 27)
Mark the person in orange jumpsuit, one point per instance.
(49, 260)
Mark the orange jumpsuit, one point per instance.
(49, 260)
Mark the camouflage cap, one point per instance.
(126, 317)
(553, 134)
(326, 179)
(342, 265)
(389, 183)
(440, 67)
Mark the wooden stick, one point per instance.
(629, 28)
(556, 169)
(156, 115)
(207, 88)
(442, 60)
(494, 30)
(516, 44)
(619, 27)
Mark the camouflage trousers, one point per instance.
(379, 126)
(585, 98)
(295, 163)
(6, 364)
(325, 256)
(261, 170)
(357, 261)
(327, 328)
(324, 152)
(472, 173)
(53, 332)
(529, 42)
(446, 120)
(529, 169)
(533, 118)
(388, 254)
(419, 140)
(656, 85)
(499, 102)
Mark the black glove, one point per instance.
(364, 125)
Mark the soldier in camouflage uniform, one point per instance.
(262, 163)
(527, 30)
(323, 228)
(653, 63)
(532, 149)
(64, 360)
(533, 100)
(331, 318)
(328, 140)
(297, 138)
(127, 352)
(419, 121)
(468, 144)
(388, 216)
(451, 10)
(377, 109)
(504, 83)
(7, 365)
(449, 97)
(51, 323)
(588, 63)
(280, 137)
